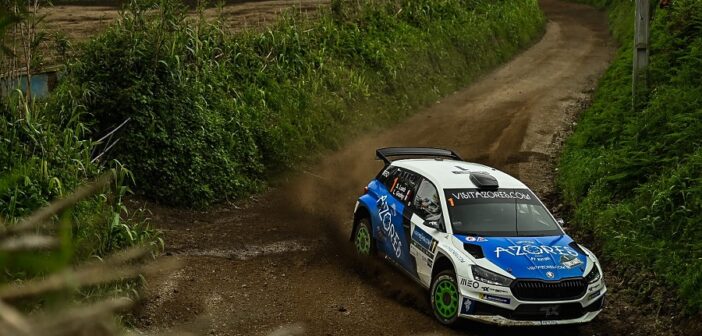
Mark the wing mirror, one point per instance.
(437, 224)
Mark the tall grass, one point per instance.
(635, 177)
(214, 113)
(46, 155)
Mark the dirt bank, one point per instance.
(281, 258)
(82, 22)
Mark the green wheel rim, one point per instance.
(446, 299)
(363, 241)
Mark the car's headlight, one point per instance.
(594, 275)
(490, 277)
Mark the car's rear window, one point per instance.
(503, 212)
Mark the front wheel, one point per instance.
(445, 297)
(362, 238)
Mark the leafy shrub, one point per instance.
(213, 113)
(634, 176)
(44, 154)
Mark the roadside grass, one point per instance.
(634, 177)
(46, 153)
(214, 114)
(43, 156)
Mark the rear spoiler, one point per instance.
(385, 153)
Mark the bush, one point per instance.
(213, 113)
(44, 155)
(634, 176)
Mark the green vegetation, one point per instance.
(213, 113)
(635, 177)
(45, 154)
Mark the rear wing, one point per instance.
(385, 153)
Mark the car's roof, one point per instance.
(452, 174)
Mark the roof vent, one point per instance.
(483, 180)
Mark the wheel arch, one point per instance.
(360, 213)
(441, 263)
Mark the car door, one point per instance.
(394, 213)
(425, 206)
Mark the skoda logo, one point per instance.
(549, 275)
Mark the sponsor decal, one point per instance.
(499, 291)
(400, 191)
(548, 311)
(466, 195)
(468, 283)
(549, 322)
(494, 298)
(533, 250)
(546, 267)
(467, 306)
(475, 239)
(476, 285)
(594, 295)
(570, 261)
(423, 242)
(386, 212)
(456, 254)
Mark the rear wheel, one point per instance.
(362, 238)
(445, 297)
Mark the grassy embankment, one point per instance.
(634, 177)
(213, 114)
(45, 154)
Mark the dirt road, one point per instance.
(281, 258)
(78, 23)
(82, 22)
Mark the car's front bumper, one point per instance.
(503, 321)
(535, 314)
(498, 305)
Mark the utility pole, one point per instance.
(641, 23)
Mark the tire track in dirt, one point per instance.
(512, 118)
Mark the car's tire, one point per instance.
(363, 238)
(445, 297)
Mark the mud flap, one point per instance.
(467, 306)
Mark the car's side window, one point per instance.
(387, 176)
(401, 183)
(426, 203)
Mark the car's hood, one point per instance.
(546, 258)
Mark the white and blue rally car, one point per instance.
(481, 242)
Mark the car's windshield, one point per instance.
(503, 212)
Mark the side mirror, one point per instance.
(434, 223)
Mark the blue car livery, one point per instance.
(478, 239)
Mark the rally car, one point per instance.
(478, 239)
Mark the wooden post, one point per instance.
(641, 23)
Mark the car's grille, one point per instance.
(537, 290)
